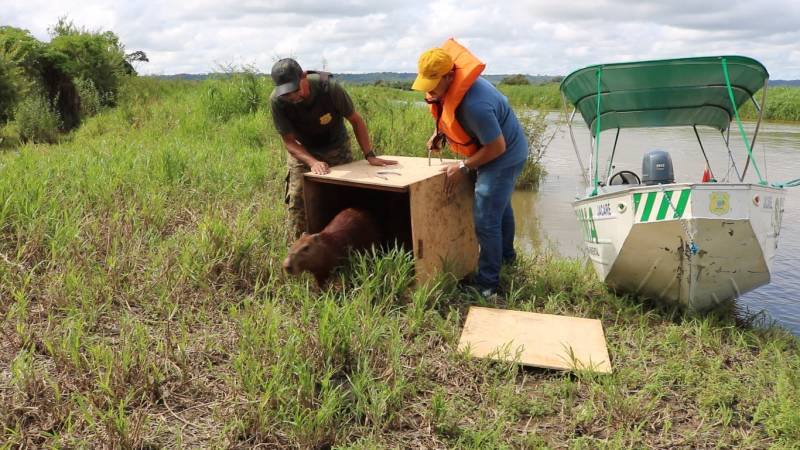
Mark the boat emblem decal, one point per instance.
(662, 203)
(719, 203)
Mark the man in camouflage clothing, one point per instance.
(308, 109)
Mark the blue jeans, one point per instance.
(494, 222)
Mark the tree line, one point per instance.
(49, 87)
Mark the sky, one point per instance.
(536, 37)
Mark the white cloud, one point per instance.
(533, 36)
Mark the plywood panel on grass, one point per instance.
(542, 340)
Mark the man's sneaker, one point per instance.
(477, 290)
(490, 294)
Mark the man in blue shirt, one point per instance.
(486, 131)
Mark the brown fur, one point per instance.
(319, 253)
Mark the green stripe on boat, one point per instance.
(648, 206)
(682, 201)
(665, 204)
(662, 210)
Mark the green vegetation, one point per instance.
(48, 88)
(97, 57)
(404, 85)
(535, 126)
(518, 79)
(783, 103)
(241, 92)
(36, 119)
(544, 96)
(143, 306)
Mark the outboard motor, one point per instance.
(657, 168)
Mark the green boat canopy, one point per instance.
(671, 92)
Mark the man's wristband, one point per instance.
(463, 167)
(370, 154)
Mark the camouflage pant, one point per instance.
(296, 214)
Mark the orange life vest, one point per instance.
(467, 70)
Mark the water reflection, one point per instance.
(527, 221)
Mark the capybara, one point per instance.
(319, 253)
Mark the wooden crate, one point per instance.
(409, 204)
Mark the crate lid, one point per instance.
(398, 177)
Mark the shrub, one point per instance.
(24, 51)
(535, 126)
(36, 119)
(403, 85)
(96, 56)
(19, 67)
(517, 79)
(8, 88)
(234, 94)
(89, 97)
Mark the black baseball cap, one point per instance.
(286, 74)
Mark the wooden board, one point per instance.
(407, 171)
(542, 340)
(443, 231)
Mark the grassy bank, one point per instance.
(143, 307)
(783, 104)
(539, 96)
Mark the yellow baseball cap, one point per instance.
(432, 66)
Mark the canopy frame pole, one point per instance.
(708, 164)
(591, 162)
(584, 174)
(755, 104)
(597, 128)
(747, 146)
(760, 110)
(611, 160)
(730, 156)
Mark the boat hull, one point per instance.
(695, 245)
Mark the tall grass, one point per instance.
(90, 98)
(783, 103)
(36, 120)
(400, 123)
(235, 93)
(544, 96)
(143, 306)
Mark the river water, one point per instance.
(546, 217)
